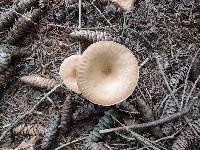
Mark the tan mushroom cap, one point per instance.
(124, 4)
(107, 73)
(68, 72)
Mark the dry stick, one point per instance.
(148, 124)
(184, 90)
(74, 141)
(84, 28)
(147, 114)
(125, 137)
(165, 79)
(193, 87)
(102, 14)
(79, 25)
(144, 62)
(142, 39)
(28, 112)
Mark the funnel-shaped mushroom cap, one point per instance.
(68, 72)
(107, 73)
(124, 4)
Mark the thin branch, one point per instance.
(147, 114)
(144, 62)
(148, 124)
(102, 14)
(191, 91)
(83, 28)
(142, 39)
(186, 80)
(74, 141)
(168, 137)
(165, 79)
(28, 112)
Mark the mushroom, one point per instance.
(124, 4)
(107, 73)
(68, 72)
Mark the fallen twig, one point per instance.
(148, 124)
(147, 114)
(142, 39)
(165, 79)
(74, 141)
(144, 62)
(102, 14)
(187, 76)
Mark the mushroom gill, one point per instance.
(107, 73)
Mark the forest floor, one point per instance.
(164, 36)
